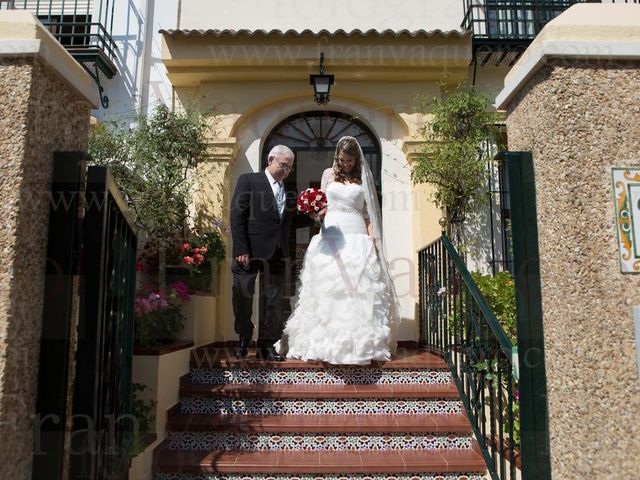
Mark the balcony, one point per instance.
(503, 29)
(83, 28)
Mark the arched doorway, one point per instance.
(313, 136)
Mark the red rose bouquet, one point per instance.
(311, 200)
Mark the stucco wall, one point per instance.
(322, 14)
(256, 121)
(579, 119)
(39, 114)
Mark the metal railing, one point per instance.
(457, 323)
(502, 19)
(74, 23)
(515, 19)
(103, 424)
(83, 27)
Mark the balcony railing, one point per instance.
(511, 20)
(83, 27)
(502, 29)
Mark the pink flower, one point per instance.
(198, 258)
(187, 260)
(181, 289)
(204, 249)
(196, 250)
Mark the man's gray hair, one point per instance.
(281, 150)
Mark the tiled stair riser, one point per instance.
(416, 383)
(308, 442)
(382, 476)
(315, 406)
(329, 376)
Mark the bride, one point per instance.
(347, 310)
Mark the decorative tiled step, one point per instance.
(260, 441)
(215, 357)
(319, 406)
(374, 476)
(327, 376)
(467, 463)
(251, 419)
(429, 423)
(437, 390)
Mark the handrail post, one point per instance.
(536, 460)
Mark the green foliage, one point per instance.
(453, 163)
(212, 239)
(489, 369)
(500, 293)
(159, 319)
(152, 163)
(160, 327)
(144, 414)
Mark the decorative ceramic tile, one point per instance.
(316, 406)
(371, 476)
(328, 376)
(626, 199)
(315, 441)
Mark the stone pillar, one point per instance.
(45, 100)
(573, 101)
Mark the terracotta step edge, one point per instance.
(357, 391)
(417, 423)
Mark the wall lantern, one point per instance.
(321, 84)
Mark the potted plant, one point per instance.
(454, 162)
(195, 260)
(153, 162)
(159, 319)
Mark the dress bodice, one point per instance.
(345, 197)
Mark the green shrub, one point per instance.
(499, 290)
(144, 414)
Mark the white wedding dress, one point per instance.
(342, 310)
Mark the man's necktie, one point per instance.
(280, 199)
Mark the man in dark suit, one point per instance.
(262, 214)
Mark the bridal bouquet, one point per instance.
(311, 200)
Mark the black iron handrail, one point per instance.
(457, 323)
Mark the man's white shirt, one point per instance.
(278, 192)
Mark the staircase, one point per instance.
(253, 419)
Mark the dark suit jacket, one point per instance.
(256, 228)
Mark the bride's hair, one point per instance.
(349, 146)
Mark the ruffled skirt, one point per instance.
(342, 311)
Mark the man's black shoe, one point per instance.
(269, 353)
(243, 348)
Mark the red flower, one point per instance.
(204, 249)
(198, 258)
(187, 260)
(196, 250)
